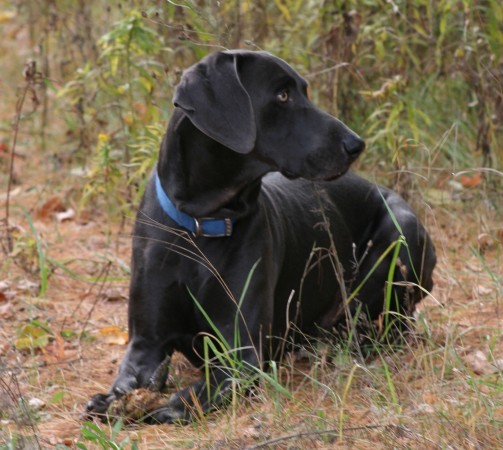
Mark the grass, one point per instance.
(420, 84)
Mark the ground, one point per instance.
(58, 349)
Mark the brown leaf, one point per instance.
(63, 216)
(113, 295)
(6, 310)
(469, 182)
(50, 207)
(478, 362)
(113, 335)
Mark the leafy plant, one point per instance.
(33, 335)
(93, 433)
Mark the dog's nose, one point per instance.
(353, 145)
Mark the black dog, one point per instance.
(220, 246)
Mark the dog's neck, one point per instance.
(202, 177)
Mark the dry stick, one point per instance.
(334, 431)
(16, 398)
(31, 76)
(102, 275)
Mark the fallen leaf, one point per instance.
(56, 351)
(482, 290)
(63, 216)
(498, 364)
(31, 336)
(6, 16)
(469, 182)
(7, 295)
(113, 295)
(4, 348)
(424, 408)
(6, 310)
(113, 335)
(28, 286)
(478, 362)
(50, 207)
(36, 404)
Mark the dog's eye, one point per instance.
(283, 96)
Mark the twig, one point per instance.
(15, 398)
(31, 77)
(103, 275)
(334, 431)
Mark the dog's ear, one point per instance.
(212, 96)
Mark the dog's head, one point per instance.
(255, 103)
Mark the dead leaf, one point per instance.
(478, 362)
(28, 286)
(113, 295)
(50, 207)
(113, 335)
(56, 351)
(63, 216)
(36, 404)
(32, 336)
(469, 182)
(7, 16)
(6, 310)
(482, 290)
(498, 364)
(4, 348)
(7, 295)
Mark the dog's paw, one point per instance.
(145, 405)
(169, 413)
(98, 405)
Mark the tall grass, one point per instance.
(420, 81)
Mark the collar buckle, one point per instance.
(199, 227)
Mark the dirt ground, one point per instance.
(82, 327)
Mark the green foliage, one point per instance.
(33, 335)
(94, 434)
(217, 351)
(420, 81)
(116, 95)
(30, 253)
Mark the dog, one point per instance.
(252, 230)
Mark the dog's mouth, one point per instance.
(320, 177)
(328, 177)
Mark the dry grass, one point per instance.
(444, 389)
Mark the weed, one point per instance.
(93, 433)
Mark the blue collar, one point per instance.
(203, 226)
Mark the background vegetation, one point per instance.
(86, 90)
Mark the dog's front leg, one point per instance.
(156, 325)
(227, 347)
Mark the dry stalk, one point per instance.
(31, 79)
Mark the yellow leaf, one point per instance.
(284, 10)
(31, 336)
(6, 16)
(113, 335)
